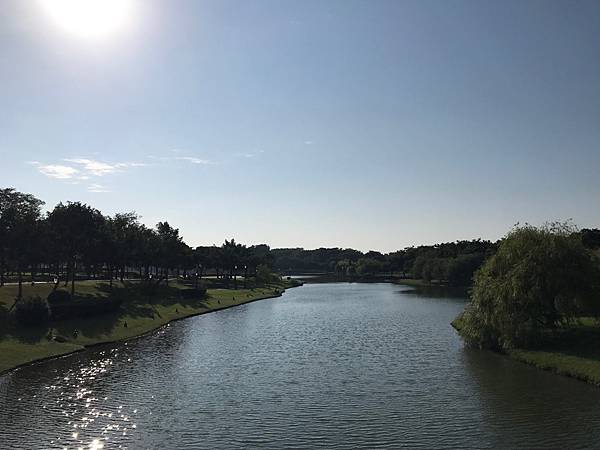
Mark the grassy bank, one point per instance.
(573, 352)
(139, 314)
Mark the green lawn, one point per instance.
(582, 368)
(575, 352)
(137, 315)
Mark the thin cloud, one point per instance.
(189, 159)
(58, 171)
(251, 154)
(99, 168)
(308, 142)
(193, 159)
(83, 169)
(97, 188)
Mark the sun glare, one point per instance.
(90, 18)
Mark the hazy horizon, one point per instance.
(373, 126)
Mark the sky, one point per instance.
(364, 124)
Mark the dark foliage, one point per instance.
(84, 307)
(59, 296)
(32, 311)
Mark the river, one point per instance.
(336, 365)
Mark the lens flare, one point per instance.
(90, 18)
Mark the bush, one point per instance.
(59, 296)
(539, 279)
(32, 311)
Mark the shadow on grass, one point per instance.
(4, 321)
(137, 298)
(9, 327)
(92, 327)
(29, 335)
(581, 341)
(134, 299)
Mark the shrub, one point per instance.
(59, 296)
(84, 307)
(192, 293)
(31, 311)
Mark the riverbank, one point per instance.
(138, 315)
(574, 354)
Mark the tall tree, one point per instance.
(171, 247)
(76, 229)
(19, 225)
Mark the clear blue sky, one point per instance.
(365, 124)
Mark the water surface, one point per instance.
(337, 365)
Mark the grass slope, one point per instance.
(138, 315)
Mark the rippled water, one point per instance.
(336, 365)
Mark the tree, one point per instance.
(171, 247)
(19, 231)
(591, 238)
(263, 273)
(539, 278)
(460, 270)
(124, 230)
(368, 266)
(76, 229)
(233, 255)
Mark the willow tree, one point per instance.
(539, 279)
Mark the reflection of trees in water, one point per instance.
(524, 407)
(437, 291)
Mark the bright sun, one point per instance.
(90, 18)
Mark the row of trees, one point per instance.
(76, 240)
(453, 262)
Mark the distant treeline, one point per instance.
(76, 240)
(452, 263)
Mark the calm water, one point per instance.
(337, 365)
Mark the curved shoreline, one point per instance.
(579, 368)
(84, 347)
